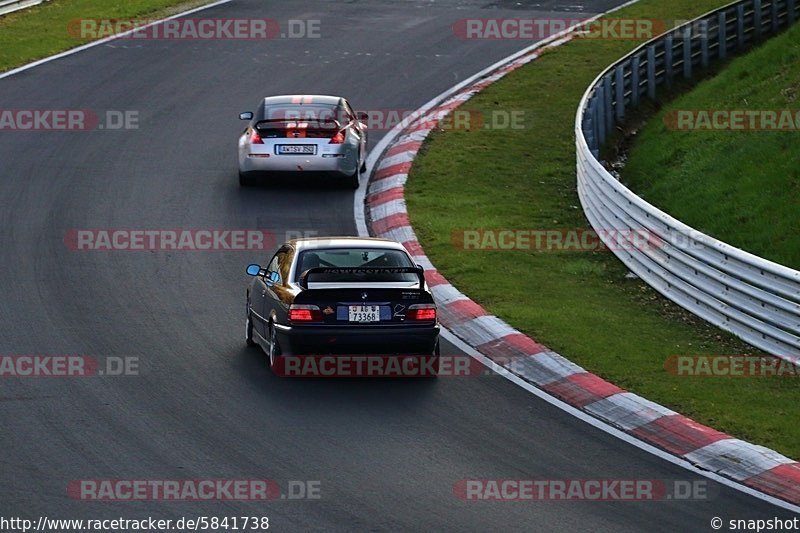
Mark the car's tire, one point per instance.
(274, 350)
(249, 331)
(353, 181)
(246, 179)
(435, 365)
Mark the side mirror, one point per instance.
(247, 115)
(254, 270)
(274, 277)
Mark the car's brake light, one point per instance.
(255, 138)
(338, 138)
(422, 312)
(304, 313)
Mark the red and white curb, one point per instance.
(754, 466)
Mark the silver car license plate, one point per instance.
(297, 149)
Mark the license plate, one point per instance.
(297, 149)
(364, 313)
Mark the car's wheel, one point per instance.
(353, 181)
(364, 164)
(249, 331)
(435, 365)
(245, 179)
(274, 350)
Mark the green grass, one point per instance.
(742, 188)
(42, 31)
(578, 303)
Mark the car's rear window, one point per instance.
(309, 112)
(354, 258)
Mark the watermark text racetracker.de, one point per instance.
(37, 120)
(225, 29)
(733, 366)
(133, 240)
(379, 366)
(462, 120)
(178, 490)
(555, 240)
(575, 239)
(67, 366)
(386, 119)
(606, 490)
(541, 28)
(733, 120)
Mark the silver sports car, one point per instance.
(303, 134)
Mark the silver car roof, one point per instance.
(317, 243)
(300, 99)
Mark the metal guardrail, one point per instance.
(756, 299)
(9, 6)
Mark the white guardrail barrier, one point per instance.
(9, 6)
(753, 298)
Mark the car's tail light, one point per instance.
(304, 313)
(338, 138)
(422, 312)
(255, 138)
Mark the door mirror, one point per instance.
(247, 115)
(274, 277)
(254, 270)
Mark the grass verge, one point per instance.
(42, 31)
(578, 303)
(740, 187)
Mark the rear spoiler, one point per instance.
(418, 270)
(321, 122)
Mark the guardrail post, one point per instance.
(740, 26)
(704, 43)
(607, 101)
(619, 85)
(668, 66)
(774, 24)
(651, 72)
(790, 11)
(635, 80)
(722, 22)
(601, 115)
(687, 54)
(588, 129)
(757, 18)
(595, 127)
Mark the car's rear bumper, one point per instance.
(345, 166)
(372, 340)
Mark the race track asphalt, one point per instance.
(387, 453)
